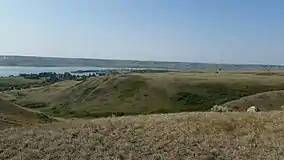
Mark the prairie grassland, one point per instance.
(193, 135)
(147, 93)
(241, 136)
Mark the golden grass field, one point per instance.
(240, 136)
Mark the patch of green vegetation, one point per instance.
(202, 97)
(130, 87)
(34, 105)
(10, 83)
(44, 118)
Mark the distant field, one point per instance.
(204, 136)
(132, 94)
(17, 80)
(7, 83)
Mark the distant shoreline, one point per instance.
(32, 61)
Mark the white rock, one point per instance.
(252, 109)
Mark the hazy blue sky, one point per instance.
(231, 31)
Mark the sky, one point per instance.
(219, 31)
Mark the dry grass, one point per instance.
(12, 115)
(240, 136)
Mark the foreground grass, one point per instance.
(240, 136)
(148, 93)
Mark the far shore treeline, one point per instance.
(29, 80)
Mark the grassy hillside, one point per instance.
(13, 115)
(144, 93)
(265, 101)
(204, 136)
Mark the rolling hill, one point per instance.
(12, 115)
(132, 94)
(266, 101)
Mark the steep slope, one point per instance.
(143, 93)
(204, 136)
(265, 101)
(109, 95)
(13, 115)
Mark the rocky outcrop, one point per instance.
(252, 109)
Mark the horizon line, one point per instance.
(89, 58)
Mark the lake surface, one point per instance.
(16, 70)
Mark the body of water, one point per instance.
(16, 70)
